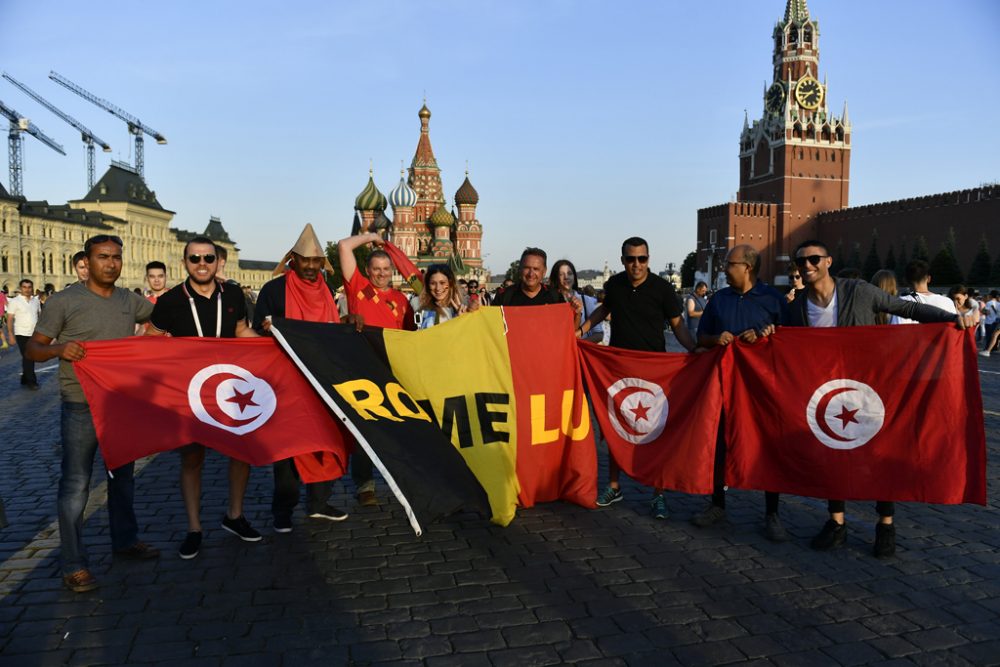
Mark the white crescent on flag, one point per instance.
(845, 414)
(637, 409)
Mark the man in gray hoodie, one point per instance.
(837, 302)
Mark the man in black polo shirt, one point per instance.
(639, 302)
(529, 290)
(201, 306)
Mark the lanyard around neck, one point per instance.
(194, 311)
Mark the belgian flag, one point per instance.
(489, 404)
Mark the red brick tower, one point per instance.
(468, 231)
(425, 176)
(798, 154)
(794, 160)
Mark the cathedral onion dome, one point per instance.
(424, 112)
(466, 194)
(402, 195)
(370, 198)
(441, 217)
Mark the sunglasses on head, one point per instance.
(196, 259)
(102, 238)
(812, 259)
(632, 259)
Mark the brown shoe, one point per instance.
(139, 551)
(80, 581)
(367, 498)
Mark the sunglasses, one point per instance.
(632, 259)
(196, 259)
(812, 259)
(795, 276)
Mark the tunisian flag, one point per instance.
(242, 397)
(862, 413)
(659, 412)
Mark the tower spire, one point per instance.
(796, 11)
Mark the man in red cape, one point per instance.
(299, 293)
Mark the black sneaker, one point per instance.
(191, 545)
(773, 530)
(832, 536)
(241, 528)
(885, 540)
(282, 524)
(329, 513)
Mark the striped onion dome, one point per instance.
(466, 194)
(370, 198)
(402, 195)
(441, 217)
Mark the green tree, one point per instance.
(838, 258)
(995, 273)
(512, 271)
(687, 269)
(979, 272)
(855, 260)
(337, 279)
(872, 262)
(890, 260)
(944, 267)
(920, 250)
(901, 261)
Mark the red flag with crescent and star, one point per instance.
(242, 397)
(859, 413)
(658, 411)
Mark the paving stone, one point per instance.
(560, 585)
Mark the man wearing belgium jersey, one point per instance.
(380, 305)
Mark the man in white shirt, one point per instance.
(990, 312)
(918, 276)
(22, 316)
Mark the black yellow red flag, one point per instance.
(425, 473)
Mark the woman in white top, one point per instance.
(440, 301)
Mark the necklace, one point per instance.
(194, 310)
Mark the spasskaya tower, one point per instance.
(794, 159)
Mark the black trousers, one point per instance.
(771, 498)
(286, 490)
(362, 470)
(883, 507)
(27, 365)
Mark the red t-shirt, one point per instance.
(389, 309)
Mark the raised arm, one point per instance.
(345, 249)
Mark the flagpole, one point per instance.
(396, 491)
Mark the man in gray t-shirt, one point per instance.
(91, 310)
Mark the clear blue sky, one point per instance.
(583, 122)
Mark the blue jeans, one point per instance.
(79, 445)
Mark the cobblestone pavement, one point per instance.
(561, 585)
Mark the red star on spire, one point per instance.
(846, 416)
(242, 400)
(640, 411)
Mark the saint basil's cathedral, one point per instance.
(421, 225)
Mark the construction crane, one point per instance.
(135, 127)
(89, 138)
(19, 124)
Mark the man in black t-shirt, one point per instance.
(639, 302)
(529, 290)
(204, 307)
